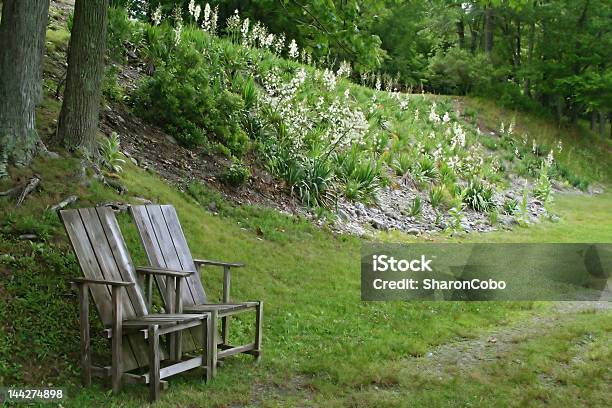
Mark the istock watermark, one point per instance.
(486, 272)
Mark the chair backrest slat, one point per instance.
(165, 244)
(102, 254)
(88, 262)
(106, 260)
(122, 258)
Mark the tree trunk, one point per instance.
(593, 120)
(461, 34)
(488, 30)
(22, 42)
(530, 47)
(78, 120)
(474, 40)
(517, 53)
(602, 123)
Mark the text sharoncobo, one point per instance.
(414, 284)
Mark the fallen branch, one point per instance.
(11, 191)
(31, 186)
(64, 203)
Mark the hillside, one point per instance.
(286, 167)
(319, 144)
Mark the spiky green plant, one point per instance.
(111, 156)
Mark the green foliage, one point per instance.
(425, 170)
(185, 97)
(509, 206)
(402, 163)
(119, 32)
(416, 207)
(543, 187)
(478, 196)
(111, 90)
(360, 174)
(436, 196)
(493, 216)
(458, 72)
(237, 174)
(112, 158)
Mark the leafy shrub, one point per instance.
(313, 186)
(237, 174)
(447, 174)
(425, 170)
(112, 158)
(401, 163)
(509, 207)
(119, 32)
(110, 87)
(478, 196)
(436, 196)
(543, 187)
(456, 214)
(562, 172)
(188, 101)
(416, 207)
(361, 175)
(493, 216)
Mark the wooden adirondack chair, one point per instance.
(108, 273)
(166, 247)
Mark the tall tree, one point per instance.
(22, 41)
(78, 120)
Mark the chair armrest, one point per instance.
(217, 263)
(151, 270)
(80, 281)
(226, 274)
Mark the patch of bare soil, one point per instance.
(297, 387)
(459, 357)
(152, 149)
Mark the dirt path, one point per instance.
(459, 357)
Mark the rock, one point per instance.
(379, 224)
(343, 215)
(212, 207)
(143, 200)
(28, 237)
(413, 231)
(170, 139)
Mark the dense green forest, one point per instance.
(549, 55)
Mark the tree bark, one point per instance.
(530, 47)
(602, 123)
(488, 30)
(22, 42)
(78, 122)
(461, 33)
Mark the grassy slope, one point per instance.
(321, 343)
(316, 329)
(585, 153)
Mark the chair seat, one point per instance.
(162, 319)
(223, 308)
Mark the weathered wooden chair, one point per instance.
(166, 247)
(108, 272)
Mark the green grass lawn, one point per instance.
(322, 344)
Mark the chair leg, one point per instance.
(206, 356)
(258, 331)
(116, 355)
(210, 345)
(85, 343)
(154, 381)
